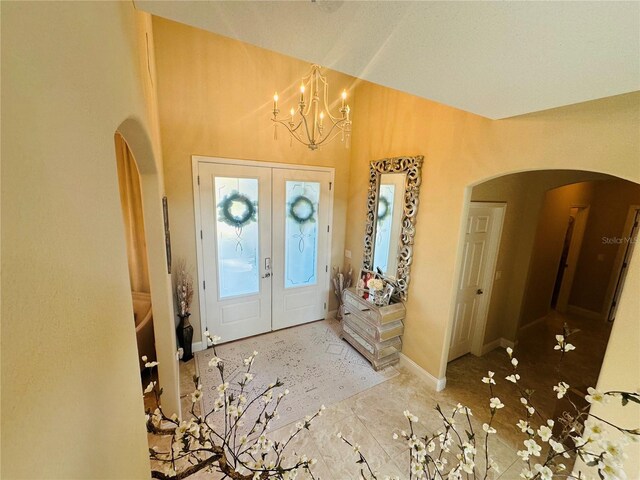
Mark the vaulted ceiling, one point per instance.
(495, 59)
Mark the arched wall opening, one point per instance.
(538, 205)
(151, 185)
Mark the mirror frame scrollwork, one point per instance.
(412, 167)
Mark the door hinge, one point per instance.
(326, 268)
(325, 305)
(327, 228)
(201, 234)
(330, 185)
(204, 285)
(198, 179)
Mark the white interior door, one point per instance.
(484, 225)
(235, 211)
(300, 276)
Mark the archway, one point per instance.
(526, 270)
(151, 184)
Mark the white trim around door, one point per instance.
(475, 280)
(325, 174)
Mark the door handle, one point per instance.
(266, 275)
(479, 291)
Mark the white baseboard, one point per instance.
(198, 346)
(498, 342)
(583, 312)
(437, 384)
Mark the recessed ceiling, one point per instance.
(495, 59)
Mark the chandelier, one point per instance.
(311, 122)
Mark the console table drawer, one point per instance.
(378, 333)
(360, 346)
(367, 310)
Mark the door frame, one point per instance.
(579, 229)
(623, 248)
(195, 161)
(500, 209)
(493, 250)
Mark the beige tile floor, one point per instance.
(372, 416)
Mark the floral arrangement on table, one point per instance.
(183, 288)
(455, 451)
(341, 281)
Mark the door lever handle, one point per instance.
(266, 275)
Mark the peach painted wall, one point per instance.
(607, 217)
(215, 98)
(71, 391)
(460, 150)
(547, 250)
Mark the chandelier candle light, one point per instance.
(306, 123)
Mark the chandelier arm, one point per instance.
(327, 139)
(324, 137)
(293, 132)
(306, 126)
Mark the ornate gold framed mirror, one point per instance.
(392, 207)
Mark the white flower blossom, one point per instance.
(561, 389)
(593, 430)
(513, 378)
(532, 447)
(196, 395)
(149, 387)
(411, 417)
(544, 433)
(525, 427)
(544, 472)
(495, 403)
(610, 469)
(595, 396)
(487, 428)
(509, 351)
(489, 379)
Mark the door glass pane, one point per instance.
(301, 230)
(382, 245)
(237, 236)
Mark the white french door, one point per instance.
(235, 210)
(300, 280)
(264, 236)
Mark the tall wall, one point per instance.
(547, 250)
(461, 150)
(71, 393)
(215, 99)
(607, 216)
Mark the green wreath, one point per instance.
(385, 213)
(294, 210)
(225, 210)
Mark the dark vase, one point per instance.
(184, 333)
